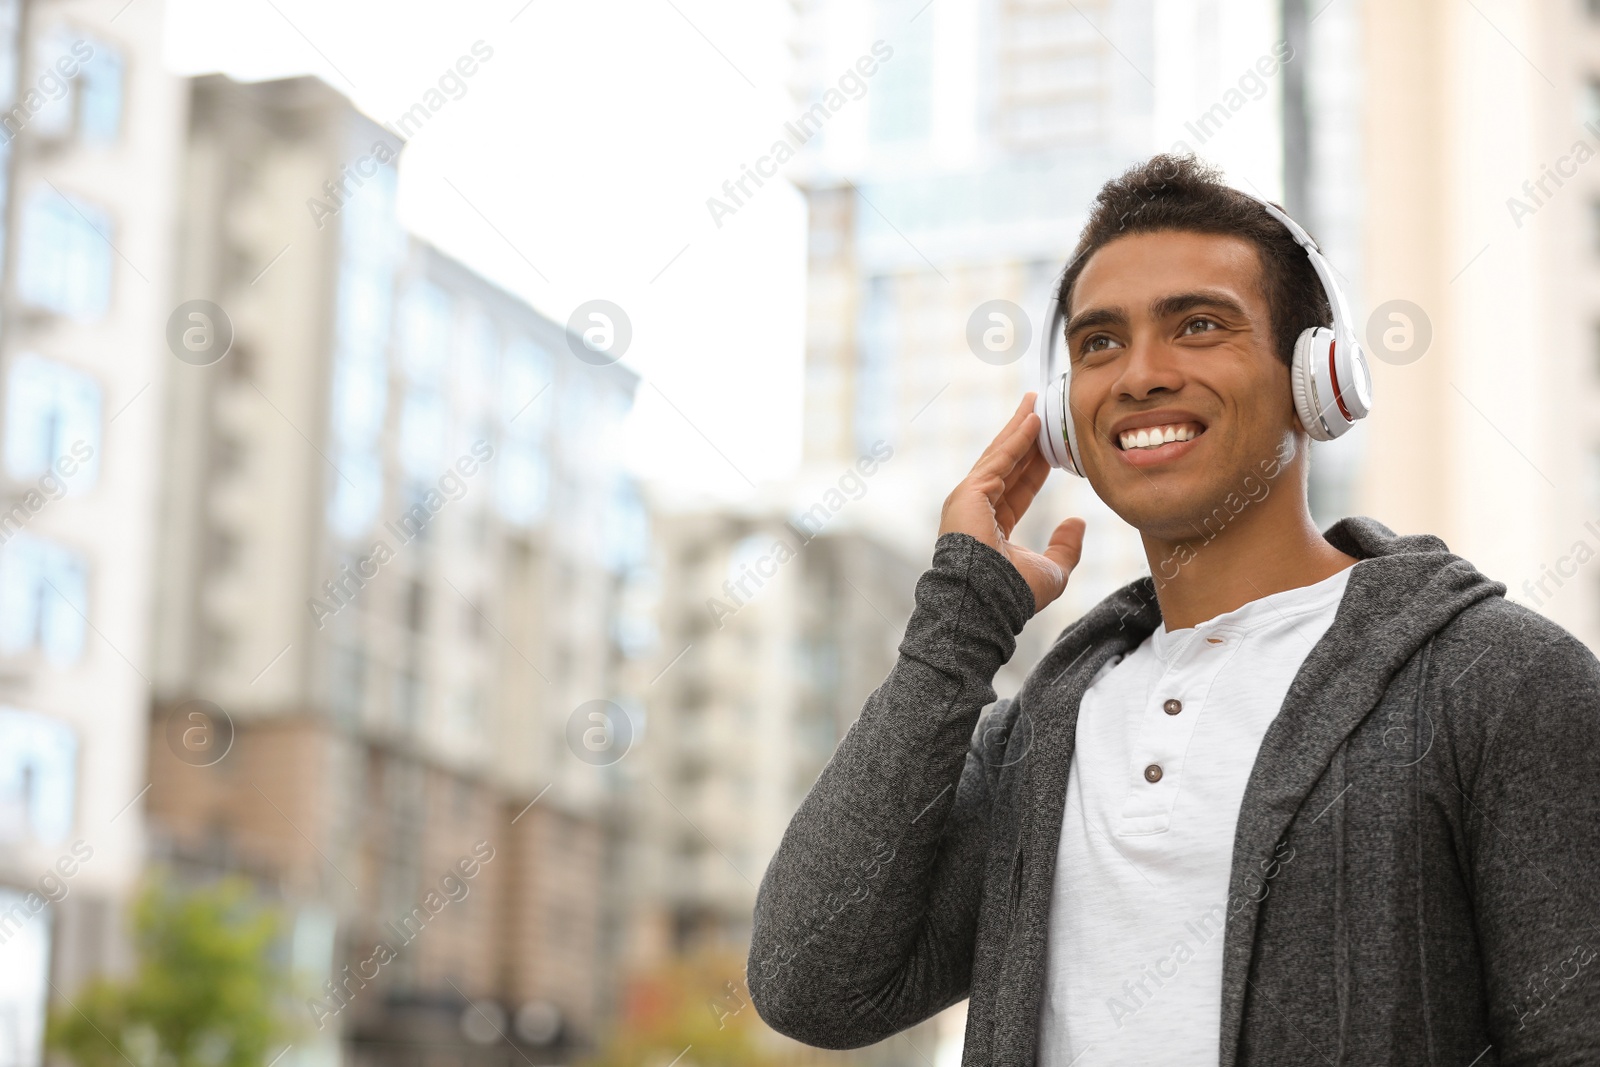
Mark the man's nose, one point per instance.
(1151, 364)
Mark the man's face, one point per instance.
(1170, 333)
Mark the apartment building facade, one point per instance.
(777, 618)
(395, 536)
(1484, 211)
(89, 129)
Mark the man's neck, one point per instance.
(1253, 556)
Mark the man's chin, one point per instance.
(1176, 509)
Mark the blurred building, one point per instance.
(956, 180)
(777, 620)
(1482, 232)
(89, 129)
(395, 536)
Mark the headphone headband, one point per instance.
(1342, 332)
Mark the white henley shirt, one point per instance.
(1166, 739)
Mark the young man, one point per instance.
(1295, 797)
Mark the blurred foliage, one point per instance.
(699, 1003)
(206, 991)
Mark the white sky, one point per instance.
(590, 141)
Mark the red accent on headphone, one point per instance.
(1334, 374)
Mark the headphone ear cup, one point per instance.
(1310, 352)
(1057, 439)
(1069, 429)
(1355, 375)
(1041, 408)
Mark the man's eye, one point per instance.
(1209, 324)
(1098, 343)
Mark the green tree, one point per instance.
(205, 991)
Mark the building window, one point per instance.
(64, 260)
(44, 598)
(408, 701)
(875, 379)
(80, 80)
(416, 606)
(52, 421)
(523, 475)
(360, 395)
(625, 530)
(347, 675)
(480, 356)
(38, 777)
(900, 108)
(425, 331)
(468, 710)
(357, 492)
(522, 482)
(365, 303)
(423, 427)
(524, 396)
(100, 94)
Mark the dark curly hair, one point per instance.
(1178, 192)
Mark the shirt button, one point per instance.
(1152, 773)
(1172, 707)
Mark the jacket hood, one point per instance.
(1402, 589)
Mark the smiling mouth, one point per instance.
(1152, 437)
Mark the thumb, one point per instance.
(1066, 545)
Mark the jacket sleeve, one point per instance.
(865, 919)
(1534, 833)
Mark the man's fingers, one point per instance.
(1009, 449)
(1022, 485)
(1066, 544)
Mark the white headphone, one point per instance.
(1327, 364)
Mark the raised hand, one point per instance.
(996, 493)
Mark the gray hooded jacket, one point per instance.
(1416, 865)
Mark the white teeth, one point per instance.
(1154, 437)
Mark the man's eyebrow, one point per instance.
(1083, 320)
(1160, 308)
(1178, 303)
